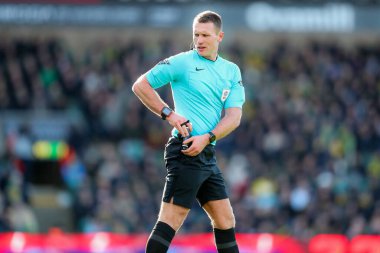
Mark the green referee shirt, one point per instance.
(201, 88)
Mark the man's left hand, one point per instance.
(198, 143)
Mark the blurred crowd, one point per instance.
(305, 159)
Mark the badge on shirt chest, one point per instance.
(225, 94)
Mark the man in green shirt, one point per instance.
(203, 85)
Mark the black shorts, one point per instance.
(192, 177)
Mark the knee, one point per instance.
(175, 220)
(230, 221)
(225, 222)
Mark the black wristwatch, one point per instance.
(212, 137)
(165, 112)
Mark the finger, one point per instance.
(189, 152)
(185, 130)
(189, 147)
(188, 140)
(185, 126)
(190, 126)
(185, 123)
(179, 128)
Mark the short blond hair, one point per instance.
(209, 16)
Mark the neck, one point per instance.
(212, 57)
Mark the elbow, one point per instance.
(136, 88)
(237, 122)
(234, 117)
(140, 85)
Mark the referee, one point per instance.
(203, 85)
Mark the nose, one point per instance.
(199, 40)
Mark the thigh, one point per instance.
(220, 213)
(213, 188)
(184, 176)
(182, 185)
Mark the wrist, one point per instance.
(166, 112)
(211, 137)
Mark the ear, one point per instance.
(220, 36)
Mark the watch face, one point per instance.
(166, 111)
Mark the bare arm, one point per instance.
(148, 96)
(228, 123)
(152, 100)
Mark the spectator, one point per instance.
(308, 147)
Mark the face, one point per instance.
(206, 38)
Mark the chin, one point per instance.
(204, 54)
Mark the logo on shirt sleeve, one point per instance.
(225, 94)
(166, 61)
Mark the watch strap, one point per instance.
(212, 137)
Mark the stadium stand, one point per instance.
(305, 161)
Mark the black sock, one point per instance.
(160, 238)
(225, 240)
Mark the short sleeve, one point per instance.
(237, 93)
(165, 71)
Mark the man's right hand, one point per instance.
(176, 121)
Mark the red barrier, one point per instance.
(102, 242)
(268, 243)
(57, 241)
(365, 244)
(329, 244)
(18, 242)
